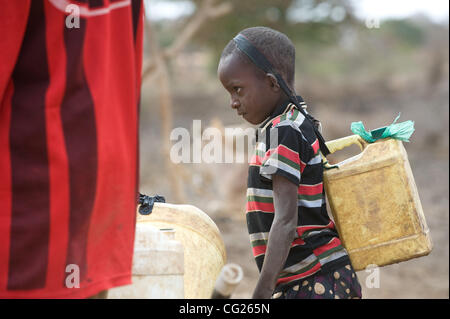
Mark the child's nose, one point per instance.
(235, 103)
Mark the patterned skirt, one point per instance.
(339, 284)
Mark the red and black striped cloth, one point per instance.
(69, 107)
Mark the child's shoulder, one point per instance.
(294, 122)
(292, 119)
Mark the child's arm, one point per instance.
(281, 234)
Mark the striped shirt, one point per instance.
(69, 107)
(286, 145)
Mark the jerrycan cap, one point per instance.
(378, 133)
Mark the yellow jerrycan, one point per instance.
(375, 204)
(204, 249)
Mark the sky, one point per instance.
(437, 10)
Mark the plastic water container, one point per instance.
(158, 266)
(230, 276)
(204, 250)
(375, 204)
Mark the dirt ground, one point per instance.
(219, 189)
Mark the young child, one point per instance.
(295, 244)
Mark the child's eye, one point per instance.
(237, 89)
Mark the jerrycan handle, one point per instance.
(341, 143)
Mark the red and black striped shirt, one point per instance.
(69, 107)
(288, 146)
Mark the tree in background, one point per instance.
(303, 21)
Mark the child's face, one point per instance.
(253, 96)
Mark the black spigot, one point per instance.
(147, 202)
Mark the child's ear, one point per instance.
(273, 82)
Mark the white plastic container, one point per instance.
(204, 249)
(158, 266)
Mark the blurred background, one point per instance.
(356, 61)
